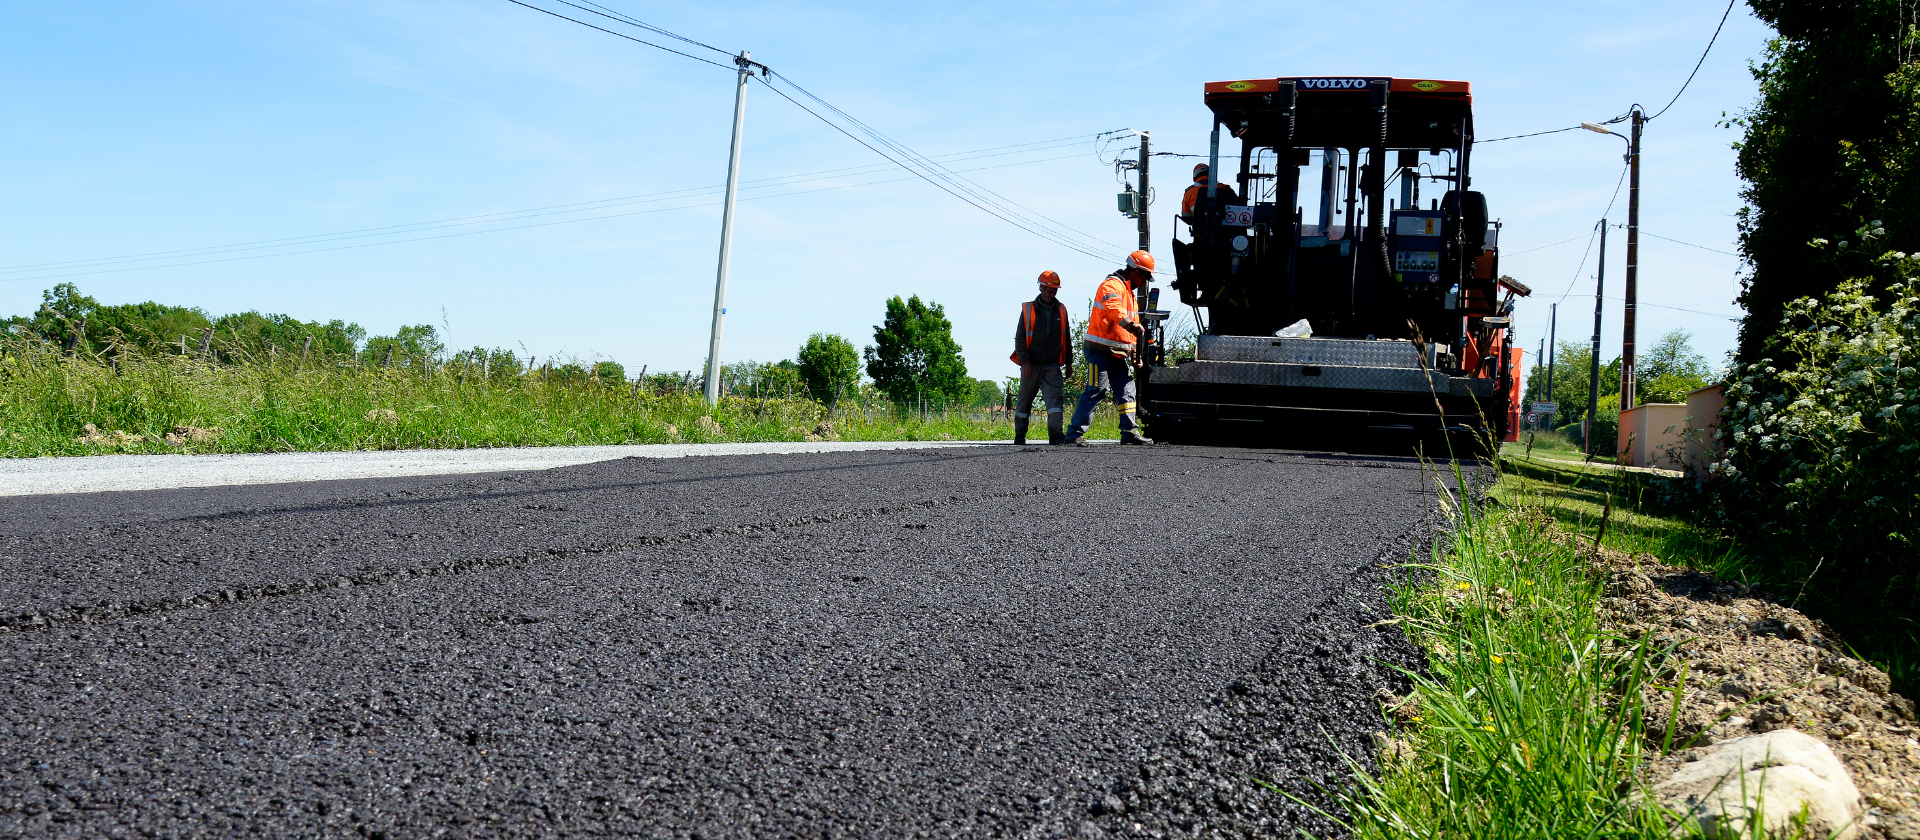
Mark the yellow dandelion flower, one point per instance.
(1488, 728)
(1463, 586)
(1497, 660)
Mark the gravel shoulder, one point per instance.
(107, 473)
(935, 643)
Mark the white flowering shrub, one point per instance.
(1823, 435)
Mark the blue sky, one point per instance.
(134, 128)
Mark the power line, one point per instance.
(1696, 65)
(1535, 134)
(624, 35)
(969, 192)
(1689, 244)
(633, 21)
(1678, 309)
(556, 209)
(1544, 247)
(945, 184)
(1004, 205)
(499, 230)
(1590, 236)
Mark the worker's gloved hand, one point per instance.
(1026, 371)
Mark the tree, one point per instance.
(610, 373)
(829, 365)
(1830, 154)
(986, 392)
(1670, 370)
(915, 357)
(412, 346)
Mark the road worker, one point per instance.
(1043, 348)
(1225, 195)
(1113, 334)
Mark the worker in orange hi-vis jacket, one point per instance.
(1201, 174)
(1113, 331)
(1043, 348)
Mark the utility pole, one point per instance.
(1593, 381)
(1146, 238)
(1628, 380)
(746, 65)
(1553, 338)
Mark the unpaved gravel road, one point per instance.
(962, 642)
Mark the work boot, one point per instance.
(1055, 437)
(1132, 438)
(1077, 440)
(1019, 431)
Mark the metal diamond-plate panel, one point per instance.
(1343, 352)
(1298, 376)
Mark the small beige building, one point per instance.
(1674, 436)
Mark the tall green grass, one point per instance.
(1529, 720)
(271, 405)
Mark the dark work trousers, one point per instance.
(1109, 373)
(1046, 382)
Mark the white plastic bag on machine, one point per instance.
(1298, 329)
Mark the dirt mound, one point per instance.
(183, 435)
(1748, 664)
(91, 434)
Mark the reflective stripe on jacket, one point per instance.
(1112, 304)
(1023, 347)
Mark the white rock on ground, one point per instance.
(1772, 774)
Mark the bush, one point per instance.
(1823, 436)
(829, 366)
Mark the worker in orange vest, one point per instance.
(1043, 348)
(1201, 174)
(1113, 331)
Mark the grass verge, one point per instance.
(134, 404)
(1530, 719)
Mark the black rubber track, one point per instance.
(988, 642)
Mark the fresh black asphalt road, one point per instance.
(970, 642)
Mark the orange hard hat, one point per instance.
(1141, 260)
(1050, 279)
(1200, 169)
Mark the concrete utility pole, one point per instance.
(1593, 382)
(1628, 379)
(726, 228)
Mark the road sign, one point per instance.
(1533, 419)
(1546, 408)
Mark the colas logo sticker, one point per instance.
(1238, 86)
(1427, 85)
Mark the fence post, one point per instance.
(305, 348)
(206, 342)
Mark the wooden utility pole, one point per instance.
(1628, 379)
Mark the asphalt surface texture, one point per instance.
(964, 642)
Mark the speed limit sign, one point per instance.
(1533, 419)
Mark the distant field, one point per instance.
(157, 404)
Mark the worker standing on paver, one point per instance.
(1043, 348)
(1201, 175)
(1113, 334)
